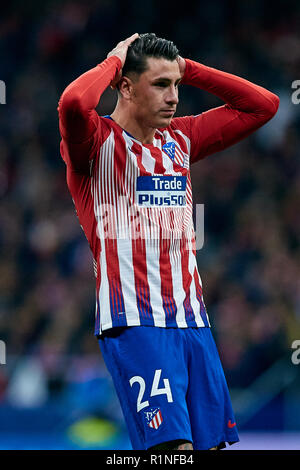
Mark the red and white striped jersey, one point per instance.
(142, 199)
(134, 200)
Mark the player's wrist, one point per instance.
(191, 72)
(122, 47)
(115, 58)
(181, 64)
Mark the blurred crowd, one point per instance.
(249, 264)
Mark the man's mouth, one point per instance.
(167, 112)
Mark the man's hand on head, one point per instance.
(181, 64)
(121, 51)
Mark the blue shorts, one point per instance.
(171, 385)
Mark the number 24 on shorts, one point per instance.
(155, 390)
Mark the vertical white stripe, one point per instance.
(167, 163)
(105, 317)
(154, 281)
(166, 160)
(148, 161)
(186, 139)
(128, 282)
(112, 195)
(178, 290)
(194, 301)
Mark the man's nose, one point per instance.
(172, 96)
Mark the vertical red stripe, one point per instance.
(203, 312)
(186, 279)
(139, 262)
(157, 154)
(138, 150)
(165, 269)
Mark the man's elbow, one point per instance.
(272, 106)
(70, 108)
(69, 101)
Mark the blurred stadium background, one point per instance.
(55, 392)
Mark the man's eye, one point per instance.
(161, 84)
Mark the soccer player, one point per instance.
(129, 177)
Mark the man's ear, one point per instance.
(116, 80)
(125, 87)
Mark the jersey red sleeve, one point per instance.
(248, 107)
(79, 122)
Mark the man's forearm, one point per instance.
(247, 107)
(239, 93)
(79, 100)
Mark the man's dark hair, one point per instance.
(147, 45)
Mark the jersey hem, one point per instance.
(158, 324)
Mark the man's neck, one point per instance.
(129, 124)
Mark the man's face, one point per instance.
(155, 93)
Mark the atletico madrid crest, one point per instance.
(169, 149)
(175, 153)
(153, 418)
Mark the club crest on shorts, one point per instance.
(153, 418)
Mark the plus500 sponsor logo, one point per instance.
(161, 191)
